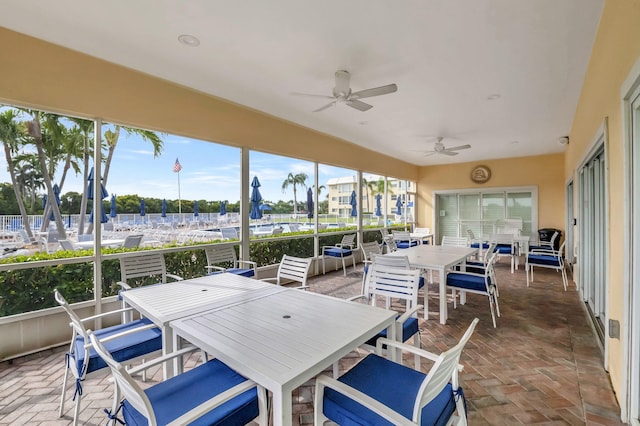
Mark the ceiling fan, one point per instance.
(342, 93)
(439, 148)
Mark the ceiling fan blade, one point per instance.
(447, 152)
(360, 106)
(376, 91)
(458, 148)
(429, 154)
(322, 108)
(310, 95)
(342, 83)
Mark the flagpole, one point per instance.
(179, 199)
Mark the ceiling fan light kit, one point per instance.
(343, 94)
(440, 149)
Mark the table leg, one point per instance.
(443, 297)
(282, 408)
(167, 348)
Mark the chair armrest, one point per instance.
(209, 405)
(466, 273)
(123, 334)
(403, 346)
(175, 277)
(218, 268)
(160, 360)
(402, 318)
(360, 296)
(270, 280)
(391, 416)
(104, 314)
(251, 263)
(124, 285)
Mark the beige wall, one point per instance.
(616, 49)
(545, 171)
(49, 77)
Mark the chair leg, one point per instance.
(76, 410)
(323, 269)
(564, 278)
(526, 271)
(64, 391)
(491, 308)
(344, 267)
(416, 357)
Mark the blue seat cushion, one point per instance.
(504, 249)
(409, 328)
(122, 349)
(485, 246)
(174, 397)
(337, 252)
(242, 271)
(543, 259)
(391, 384)
(406, 244)
(466, 281)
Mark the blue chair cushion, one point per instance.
(543, 259)
(503, 248)
(337, 252)
(466, 281)
(409, 328)
(242, 271)
(475, 267)
(485, 246)
(393, 385)
(123, 348)
(547, 248)
(174, 397)
(406, 244)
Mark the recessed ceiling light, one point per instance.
(493, 96)
(189, 40)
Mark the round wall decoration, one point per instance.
(480, 174)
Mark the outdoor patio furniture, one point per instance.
(368, 250)
(389, 243)
(211, 393)
(141, 340)
(403, 239)
(343, 250)
(132, 241)
(469, 282)
(67, 245)
(455, 241)
(219, 255)
(544, 258)
(546, 245)
(292, 269)
(507, 247)
(379, 391)
(229, 233)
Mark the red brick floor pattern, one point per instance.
(541, 365)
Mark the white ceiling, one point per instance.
(448, 57)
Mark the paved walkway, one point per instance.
(540, 366)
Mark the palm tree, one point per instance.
(369, 187)
(295, 180)
(10, 135)
(29, 177)
(85, 128)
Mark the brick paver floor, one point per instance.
(541, 365)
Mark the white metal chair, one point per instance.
(546, 245)
(399, 283)
(67, 245)
(226, 255)
(292, 269)
(132, 241)
(211, 394)
(506, 246)
(403, 239)
(379, 391)
(455, 241)
(544, 258)
(127, 342)
(469, 282)
(390, 243)
(368, 250)
(229, 233)
(343, 250)
(143, 265)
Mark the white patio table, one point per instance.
(421, 236)
(438, 258)
(285, 338)
(115, 242)
(162, 303)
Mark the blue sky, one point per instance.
(209, 171)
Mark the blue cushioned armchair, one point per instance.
(342, 251)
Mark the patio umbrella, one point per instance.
(378, 205)
(113, 211)
(103, 191)
(354, 202)
(44, 201)
(56, 193)
(103, 216)
(223, 208)
(256, 213)
(142, 209)
(265, 207)
(195, 209)
(164, 208)
(309, 203)
(399, 205)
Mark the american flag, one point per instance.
(177, 166)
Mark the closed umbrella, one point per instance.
(309, 203)
(399, 205)
(103, 216)
(164, 208)
(378, 205)
(195, 209)
(103, 191)
(223, 208)
(142, 209)
(354, 202)
(114, 208)
(256, 213)
(56, 193)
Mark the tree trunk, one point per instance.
(16, 190)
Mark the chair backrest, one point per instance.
(391, 261)
(348, 240)
(52, 236)
(217, 255)
(277, 231)
(294, 227)
(384, 232)
(143, 265)
(294, 269)
(443, 371)
(392, 282)
(229, 233)
(502, 238)
(76, 323)
(132, 241)
(127, 386)
(455, 241)
(390, 242)
(369, 249)
(66, 245)
(422, 230)
(401, 236)
(85, 237)
(471, 234)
